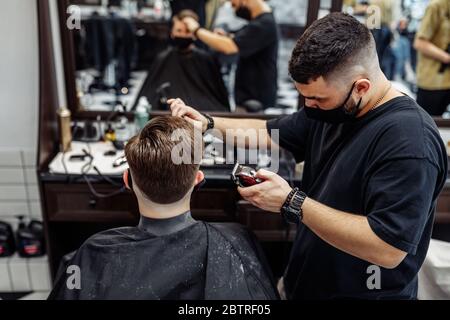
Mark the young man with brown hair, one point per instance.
(169, 255)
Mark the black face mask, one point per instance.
(337, 115)
(244, 12)
(182, 43)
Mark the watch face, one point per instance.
(291, 216)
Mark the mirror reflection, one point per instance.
(217, 55)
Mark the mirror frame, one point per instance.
(67, 47)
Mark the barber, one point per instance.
(374, 167)
(257, 47)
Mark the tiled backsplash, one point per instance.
(19, 196)
(19, 274)
(19, 192)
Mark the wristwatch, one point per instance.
(210, 121)
(291, 211)
(196, 31)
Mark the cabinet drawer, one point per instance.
(74, 202)
(267, 226)
(215, 205)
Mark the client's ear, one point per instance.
(199, 180)
(127, 179)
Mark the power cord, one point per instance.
(87, 167)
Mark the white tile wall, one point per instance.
(13, 192)
(39, 274)
(19, 191)
(12, 176)
(36, 211)
(29, 157)
(19, 131)
(37, 295)
(19, 274)
(14, 208)
(33, 192)
(19, 195)
(5, 279)
(18, 271)
(31, 175)
(10, 158)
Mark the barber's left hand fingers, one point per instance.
(268, 195)
(175, 106)
(265, 174)
(175, 102)
(191, 24)
(253, 195)
(248, 192)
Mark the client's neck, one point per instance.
(163, 211)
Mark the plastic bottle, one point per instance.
(65, 131)
(7, 243)
(30, 240)
(110, 134)
(141, 114)
(158, 8)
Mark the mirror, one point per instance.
(125, 53)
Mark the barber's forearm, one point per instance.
(432, 51)
(236, 130)
(217, 42)
(350, 233)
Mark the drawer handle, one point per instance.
(92, 203)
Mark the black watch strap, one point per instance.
(196, 31)
(292, 208)
(210, 121)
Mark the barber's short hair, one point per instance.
(149, 157)
(330, 44)
(185, 14)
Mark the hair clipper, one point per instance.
(244, 176)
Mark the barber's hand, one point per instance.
(180, 109)
(191, 24)
(269, 195)
(447, 61)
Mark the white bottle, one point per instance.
(158, 9)
(141, 115)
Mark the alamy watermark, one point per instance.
(73, 281)
(374, 280)
(74, 20)
(373, 17)
(243, 145)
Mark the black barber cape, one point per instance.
(177, 258)
(194, 76)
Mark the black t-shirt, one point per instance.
(390, 166)
(256, 75)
